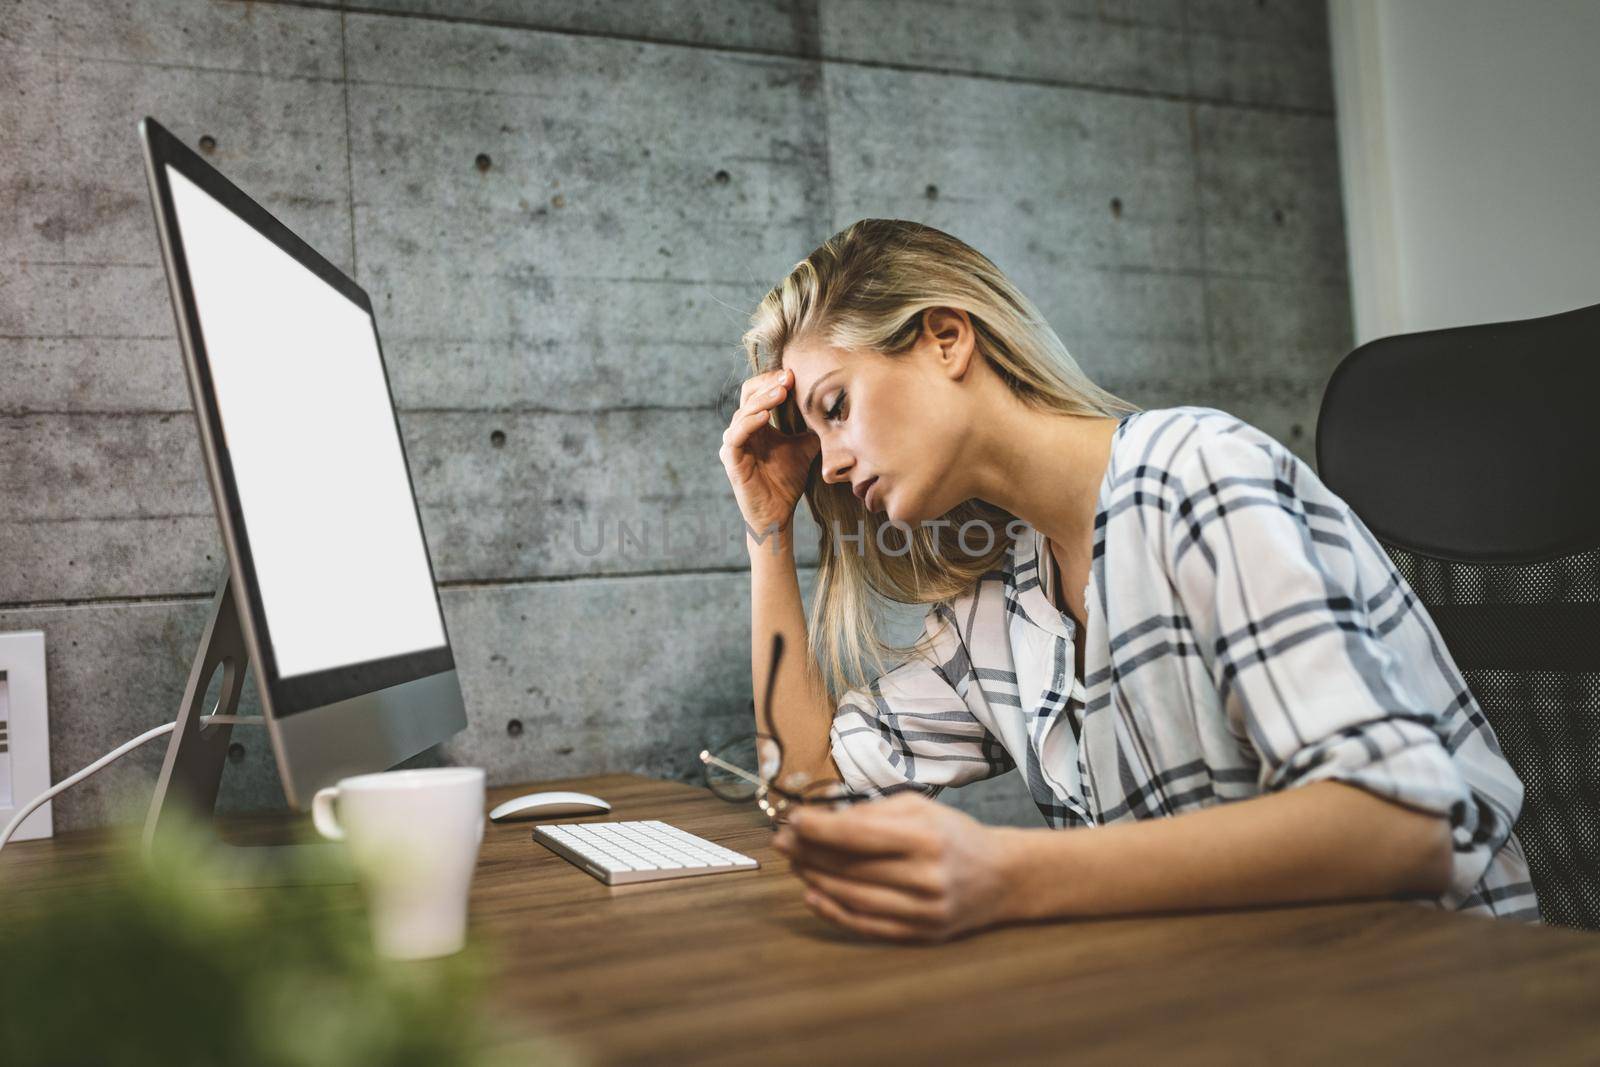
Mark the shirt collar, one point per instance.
(1028, 583)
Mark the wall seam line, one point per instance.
(144, 599)
(349, 148)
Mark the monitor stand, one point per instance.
(191, 773)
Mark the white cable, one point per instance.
(67, 783)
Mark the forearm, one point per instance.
(801, 709)
(1322, 841)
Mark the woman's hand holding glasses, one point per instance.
(907, 868)
(751, 767)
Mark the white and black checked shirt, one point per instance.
(1246, 634)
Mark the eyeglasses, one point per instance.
(724, 767)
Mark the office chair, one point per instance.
(1473, 455)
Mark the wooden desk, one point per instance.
(733, 968)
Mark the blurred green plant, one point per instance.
(164, 964)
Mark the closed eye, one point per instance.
(833, 413)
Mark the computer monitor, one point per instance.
(329, 593)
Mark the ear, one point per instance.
(948, 332)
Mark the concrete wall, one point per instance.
(1469, 141)
(563, 214)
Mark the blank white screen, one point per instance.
(306, 416)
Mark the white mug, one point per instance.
(413, 838)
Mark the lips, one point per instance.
(865, 488)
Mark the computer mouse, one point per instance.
(538, 805)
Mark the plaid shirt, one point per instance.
(1246, 634)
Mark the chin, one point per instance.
(900, 503)
(913, 511)
(894, 513)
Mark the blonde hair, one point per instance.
(867, 287)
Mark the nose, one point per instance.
(835, 466)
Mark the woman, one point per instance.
(1173, 617)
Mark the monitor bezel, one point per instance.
(282, 698)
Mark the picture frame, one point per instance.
(24, 732)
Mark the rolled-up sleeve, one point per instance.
(912, 728)
(1269, 578)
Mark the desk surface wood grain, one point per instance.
(733, 968)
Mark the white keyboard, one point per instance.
(619, 853)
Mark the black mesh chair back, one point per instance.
(1473, 455)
